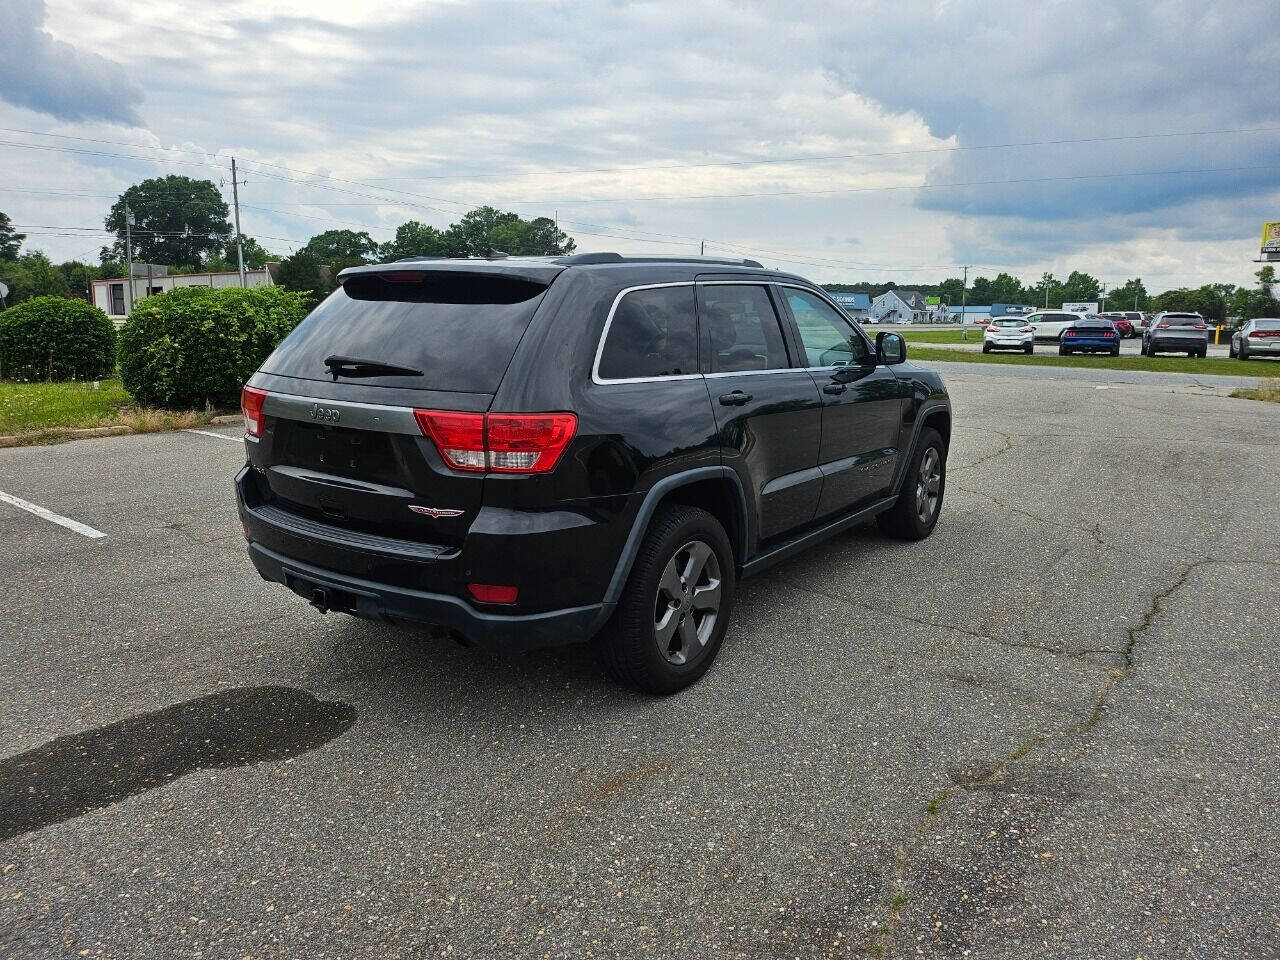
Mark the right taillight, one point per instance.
(993, 329)
(251, 400)
(498, 442)
(1026, 329)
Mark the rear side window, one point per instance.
(652, 334)
(742, 328)
(460, 330)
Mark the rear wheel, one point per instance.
(986, 347)
(1243, 352)
(1115, 351)
(915, 514)
(1062, 351)
(675, 607)
(1029, 348)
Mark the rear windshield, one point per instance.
(1009, 321)
(1182, 319)
(1266, 324)
(460, 330)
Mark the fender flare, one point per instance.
(649, 505)
(916, 430)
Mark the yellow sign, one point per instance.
(1271, 236)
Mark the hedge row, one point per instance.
(190, 347)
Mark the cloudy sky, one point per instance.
(876, 139)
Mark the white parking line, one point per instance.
(76, 525)
(210, 433)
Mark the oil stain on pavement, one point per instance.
(72, 775)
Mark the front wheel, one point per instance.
(676, 605)
(915, 513)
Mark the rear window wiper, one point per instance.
(357, 367)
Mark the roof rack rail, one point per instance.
(583, 259)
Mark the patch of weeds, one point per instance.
(1268, 392)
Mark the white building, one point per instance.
(900, 306)
(113, 298)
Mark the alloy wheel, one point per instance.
(687, 605)
(928, 485)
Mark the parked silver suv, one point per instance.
(1171, 332)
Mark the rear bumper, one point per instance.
(1270, 347)
(375, 601)
(1178, 344)
(1090, 343)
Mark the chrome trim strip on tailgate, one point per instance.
(358, 416)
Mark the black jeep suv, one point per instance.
(532, 451)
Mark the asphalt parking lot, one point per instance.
(1049, 730)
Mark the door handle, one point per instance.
(835, 389)
(735, 399)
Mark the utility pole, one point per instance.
(964, 291)
(1104, 298)
(128, 249)
(235, 199)
(702, 248)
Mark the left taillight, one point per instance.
(498, 442)
(251, 400)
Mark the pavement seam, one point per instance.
(882, 939)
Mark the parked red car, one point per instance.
(1123, 325)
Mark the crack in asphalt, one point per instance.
(882, 935)
(1094, 531)
(1008, 445)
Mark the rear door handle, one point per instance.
(835, 389)
(735, 399)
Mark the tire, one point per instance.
(1063, 351)
(923, 487)
(680, 539)
(1029, 348)
(1231, 350)
(1202, 352)
(1243, 352)
(986, 347)
(1115, 351)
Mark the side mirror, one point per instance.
(890, 347)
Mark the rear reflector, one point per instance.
(499, 442)
(493, 593)
(251, 400)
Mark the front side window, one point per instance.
(742, 328)
(829, 339)
(653, 334)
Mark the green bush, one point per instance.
(196, 346)
(55, 338)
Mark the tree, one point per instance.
(343, 248)
(1006, 288)
(1047, 293)
(10, 239)
(981, 292)
(414, 239)
(79, 277)
(1081, 288)
(177, 221)
(304, 273)
(950, 289)
(1130, 295)
(32, 275)
(487, 229)
(255, 257)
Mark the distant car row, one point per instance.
(1167, 332)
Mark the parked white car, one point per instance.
(1257, 338)
(1009, 333)
(1049, 324)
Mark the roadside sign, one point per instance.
(933, 301)
(1271, 239)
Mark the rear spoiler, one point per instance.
(536, 271)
